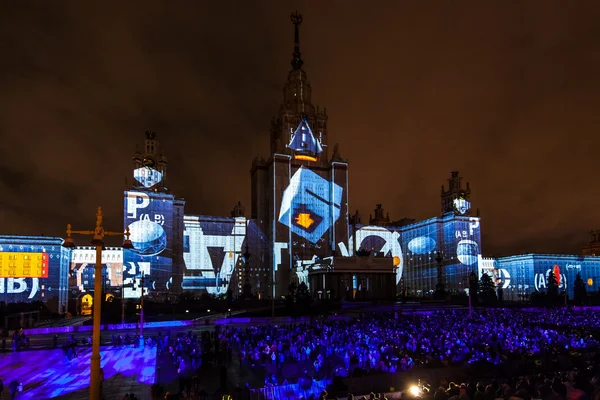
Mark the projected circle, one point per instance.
(421, 245)
(467, 252)
(148, 237)
(387, 242)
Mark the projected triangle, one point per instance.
(217, 255)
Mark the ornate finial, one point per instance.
(297, 57)
(127, 233)
(99, 217)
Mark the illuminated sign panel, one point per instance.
(24, 265)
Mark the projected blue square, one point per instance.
(310, 205)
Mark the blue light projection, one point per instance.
(304, 144)
(20, 287)
(467, 252)
(48, 373)
(421, 245)
(310, 205)
(149, 217)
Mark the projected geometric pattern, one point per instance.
(310, 205)
(147, 176)
(304, 144)
(48, 373)
(24, 265)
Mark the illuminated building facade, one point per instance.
(34, 268)
(299, 193)
(154, 216)
(520, 276)
(298, 230)
(415, 249)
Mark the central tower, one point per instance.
(154, 216)
(299, 193)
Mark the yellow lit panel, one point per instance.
(23, 265)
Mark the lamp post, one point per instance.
(273, 296)
(98, 241)
(122, 296)
(142, 313)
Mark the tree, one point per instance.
(473, 288)
(487, 289)
(303, 294)
(290, 299)
(303, 298)
(552, 289)
(580, 290)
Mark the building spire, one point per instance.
(297, 57)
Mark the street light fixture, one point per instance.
(98, 241)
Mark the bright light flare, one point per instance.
(415, 391)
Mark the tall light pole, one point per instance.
(123, 295)
(98, 233)
(142, 313)
(273, 295)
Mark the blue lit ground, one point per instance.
(48, 374)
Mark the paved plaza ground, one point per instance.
(48, 374)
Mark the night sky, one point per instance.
(505, 92)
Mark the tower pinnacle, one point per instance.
(297, 57)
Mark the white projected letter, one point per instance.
(35, 285)
(10, 285)
(473, 224)
(133, 205)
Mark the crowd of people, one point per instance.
(389, 342)
(386, 342)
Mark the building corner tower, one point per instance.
(154, 217)
(299, 194)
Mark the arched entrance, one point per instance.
(87, 302)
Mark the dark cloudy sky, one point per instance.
(505, 92)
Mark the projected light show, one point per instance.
(83, 262)
(522, 275)
(33, 268)
(214, 250)
(304, 144)
(415, 247)
(311, 211)
(149, 217)
(48, 373)
(310, 205)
